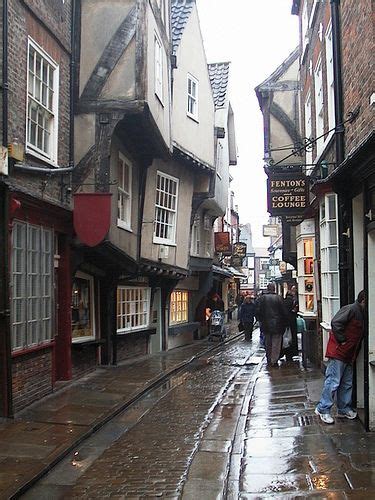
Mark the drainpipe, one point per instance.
(339, 144)
(7, 409)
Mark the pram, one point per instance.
(216, 326)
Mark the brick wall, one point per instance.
(132, 345)
(53, 36)
(84, 359)
(357, 17)
(31, 378)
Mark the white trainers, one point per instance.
(350, 414)
(325, 417)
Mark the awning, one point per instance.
(221, 271)
(236, 273)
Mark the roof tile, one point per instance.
(180, 13)
(219, 76)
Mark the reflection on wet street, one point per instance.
(227, 427)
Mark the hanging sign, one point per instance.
(288, 193)
(92, 217)
(239, 249)
(222, 243)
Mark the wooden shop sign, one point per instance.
(288, 193)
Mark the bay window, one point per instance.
(133, 308)
(179, 304)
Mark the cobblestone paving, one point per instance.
(152, 458)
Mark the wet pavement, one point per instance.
(228, 427)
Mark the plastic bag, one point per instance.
(287, 338)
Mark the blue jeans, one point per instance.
(339, 380)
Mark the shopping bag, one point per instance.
(287, 338)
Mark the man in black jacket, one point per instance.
(246, 317)
(271, 312)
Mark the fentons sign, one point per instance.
(287, 193)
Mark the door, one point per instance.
(156, 344)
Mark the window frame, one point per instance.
(308, 126)
(27, 285)
(30, 148)
(328, 40)
(192, 98)
(133, 301)
(196, 239)
(159, 239)
(319, 105)
(90, 280)
(330, 300)
(184, 294)
(158, 68)
(306, 278)
(121, 192)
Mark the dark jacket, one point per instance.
(271, 312)
(247, 312)
(347, 332)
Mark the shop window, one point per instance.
(133, 308)
(179, 307)
(83, 314)
(306, 290)
(329, 257)
(32, 285)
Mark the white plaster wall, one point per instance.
(195, 137)
(178, 253)
(358, 258)
(84, 135)
(103, 19)
(160, 108)
(371, 309)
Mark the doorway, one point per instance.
(156, 342)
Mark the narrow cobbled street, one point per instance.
(226, 427)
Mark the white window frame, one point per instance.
(329, 256)
(192, 103)
(133, 308)
(319, 105)
(330, 77)
(50, 156)
(304, 28)
(166, 206)
(308, 127)
(305, 258)
(32, 306)
(158, 67)
(90, 280)
(124, 196)
(179, 308)
(263, 281)
(196, 236)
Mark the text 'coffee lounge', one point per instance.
(287, 193)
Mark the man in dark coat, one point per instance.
(291, 305)
(342, 350)
(271, 312)
(246, 316)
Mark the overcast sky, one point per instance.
(256, 36)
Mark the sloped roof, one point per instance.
(219, 76)
(180, 13)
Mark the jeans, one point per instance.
(339, 380)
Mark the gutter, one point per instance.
(41, 170)
(5, 73)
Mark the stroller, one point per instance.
(216, 326)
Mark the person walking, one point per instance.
(342, 350)
(271, 312)
(291, 305)
(247, 314)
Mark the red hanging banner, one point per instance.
(92, 217)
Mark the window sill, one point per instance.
(147, 330)
(159, 241)
(124, 226)
(35, 348)
(192, 117)
(39, 156)
(80, 344)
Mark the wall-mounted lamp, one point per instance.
(323, 169)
